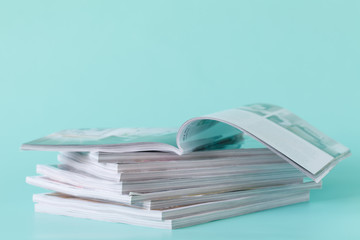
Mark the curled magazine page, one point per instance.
(281, 131)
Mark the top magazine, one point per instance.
(272, 126)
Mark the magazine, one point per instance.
(273, 127)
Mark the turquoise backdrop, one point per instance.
(76, 64)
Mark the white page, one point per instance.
(285, 133)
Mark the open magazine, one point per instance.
(273, 127)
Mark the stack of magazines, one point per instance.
(221, 165)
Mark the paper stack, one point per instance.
(168, 193)
(140, 176)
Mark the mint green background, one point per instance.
(73, 64)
